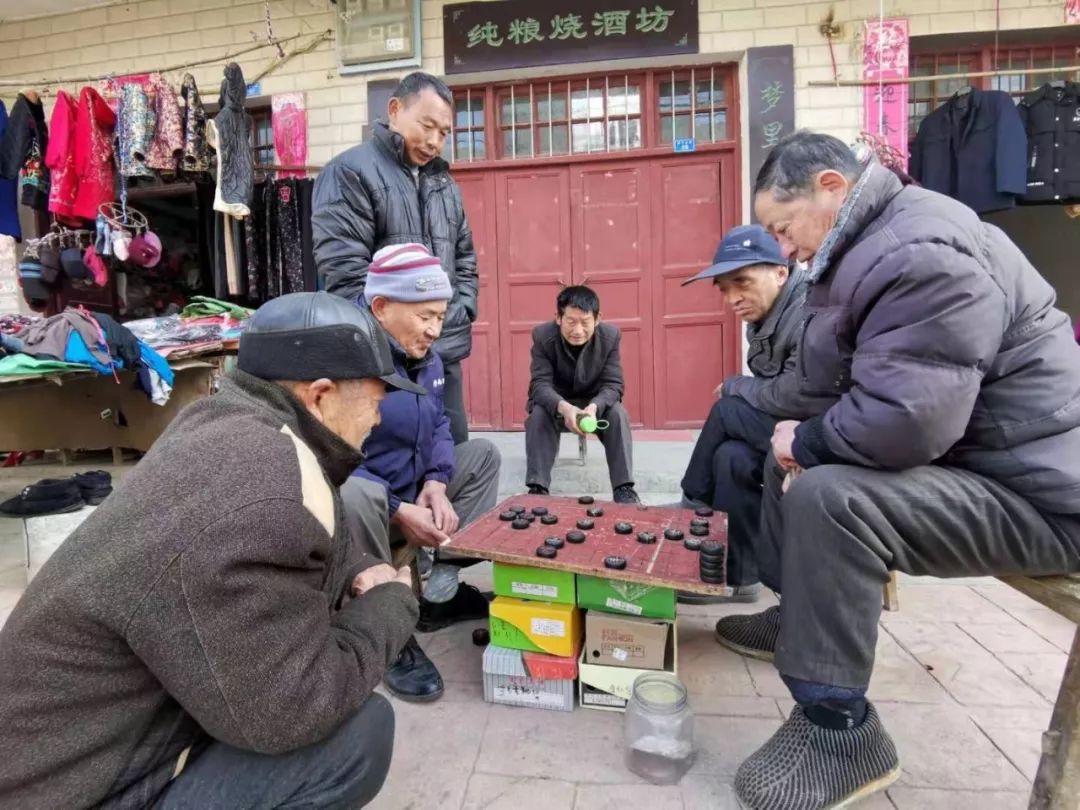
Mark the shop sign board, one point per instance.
(771, 100)
(482, 36)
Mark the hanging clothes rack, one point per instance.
(941, 77)
(277, 168)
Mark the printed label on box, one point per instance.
(602, 699)
(522, 694)
(551, 628)
(532, 589)
(625, 607)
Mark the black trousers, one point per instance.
(829, 543)
(346, 770)
(542, 429)
(454, 398)
(725, 471)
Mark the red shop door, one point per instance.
(633, 230)
(481, 370)
(697, 339)
(534, 257)
(612, 238)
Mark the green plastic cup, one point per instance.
(590, 424)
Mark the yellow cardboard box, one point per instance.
(519, 624)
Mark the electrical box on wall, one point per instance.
(377, 34)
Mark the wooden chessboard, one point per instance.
(663, 564)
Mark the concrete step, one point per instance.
(658, 466)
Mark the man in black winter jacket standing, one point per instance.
(396, 189)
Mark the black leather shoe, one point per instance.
(95, 485)
(626, 494)
(50, 496)
(536, 489)
(413, 676)
(468, 604)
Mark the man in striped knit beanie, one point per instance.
(415, 487)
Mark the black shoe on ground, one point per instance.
(741, 595)
(95, 486)
(753, 635)
(805, 766)
(536, 489)
(693, 503)
(468, 604)
(413, 676)
(625, 494)
(49, 496)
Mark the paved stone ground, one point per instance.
(966, 676)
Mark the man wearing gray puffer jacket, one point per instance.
(953, 450)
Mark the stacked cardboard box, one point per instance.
(537, 650)
(535, 639)
(629, 630)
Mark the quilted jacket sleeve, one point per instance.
(467, 290)
(930, 323)
(343, 229)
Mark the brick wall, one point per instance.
(146, 35)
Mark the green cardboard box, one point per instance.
(543, 584)
(626, 598)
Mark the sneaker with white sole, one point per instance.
(805, 766)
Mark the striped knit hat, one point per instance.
(406, 273)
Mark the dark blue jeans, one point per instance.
(725, 471)
(344, 771)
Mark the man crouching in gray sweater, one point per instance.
(210, 637)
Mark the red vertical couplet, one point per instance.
(885, 106)
(1072, 11)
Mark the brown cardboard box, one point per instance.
(625, 641)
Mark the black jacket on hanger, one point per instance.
(973, 148)
(234, 126)
(1051, 116)
(26, 123)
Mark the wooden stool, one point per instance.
(890, 598)
(1057, 782)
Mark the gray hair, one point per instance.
(418, 81)
(790, 168)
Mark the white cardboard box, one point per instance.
(609, 688)
(507, 680)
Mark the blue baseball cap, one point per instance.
(741, 247)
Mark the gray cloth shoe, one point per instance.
(753, 635)
(741, 594)
(807, 767)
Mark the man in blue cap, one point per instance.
(725, 469)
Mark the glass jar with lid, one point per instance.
(659, 729)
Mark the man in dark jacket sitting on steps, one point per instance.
(576, 371)
(951, 451)
(393, 189)
(212, 634)
(428, 486)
